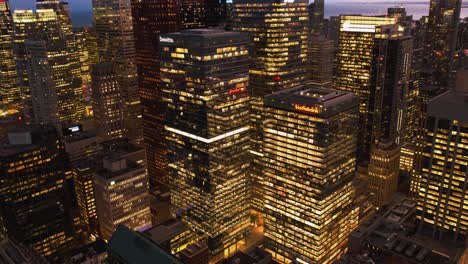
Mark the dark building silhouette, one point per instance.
(150, 19)
(440, 44)
(34, 193)
(316, 17)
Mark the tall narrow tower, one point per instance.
(116, 42)
(279, 41)
(316, 17)
(441, 38)
(9, 86)
(374, 62)
(205, 78)
(151, 18)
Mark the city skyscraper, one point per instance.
(150, 19)
(321, 57)
(33, 191)
(87, 50)
(316, 17)
(44, 24)
(309, 147)
(114, 30)
(121, 193)
(384, 170)
(108, 105)
(85, 197)
(439, 183)
(279, 33)
(193, 13)
(216, 13)
(374, 62)
(62, 9)
(205, 87)
(440, 43)
(9, 86)
(41, 85)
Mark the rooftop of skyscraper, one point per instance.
(391, 232)
(25, 138)
(192, 37)
(312, 99)
(451, 105)
(130, 246)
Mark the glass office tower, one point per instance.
(150, 19)
(384, 170)
(9, 86)
(279, 33)
(309, 147)
(374, 62)
(205, 87)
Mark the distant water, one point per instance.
(417, 9)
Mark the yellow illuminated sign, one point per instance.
(307, 108)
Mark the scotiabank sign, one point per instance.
(307, 109)
(237, 90)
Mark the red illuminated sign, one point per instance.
(307, 109)
(276, 78)
(237, 90)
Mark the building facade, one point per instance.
(44, 25)
(205, 78)
(114, 30)
(41, 84)
(121, 193)
(34, 195)
(321, 57)
(441, 38)
(150, 19)
(384, 170)
(85, 197)
(279, 33)
(316, 17)
(309, 147)
(374, 62)
(108, 104)
(440, 179)
(9, 86)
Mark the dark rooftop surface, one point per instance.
(451, 105)
(311, 98)
(130, 246)
(393, 231)
(166, 231)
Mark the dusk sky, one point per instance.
(79, 5)
(75, 5)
